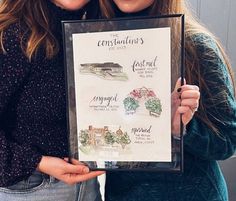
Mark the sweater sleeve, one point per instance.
(220, 106)
(18, 161)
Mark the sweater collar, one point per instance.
(142, 13)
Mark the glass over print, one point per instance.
(120, 75)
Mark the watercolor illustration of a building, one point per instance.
(103, 137)
(97, 135)
(107, 70)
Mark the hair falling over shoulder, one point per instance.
(192, 62)
(33, 15)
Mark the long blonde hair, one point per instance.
(192, 72)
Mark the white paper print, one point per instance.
(123, 95)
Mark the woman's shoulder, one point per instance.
(203, 41)
(12, 36)
(213, 62)
(207, 48)
(12, 45)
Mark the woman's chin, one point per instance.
(70, 5)
(128, 10)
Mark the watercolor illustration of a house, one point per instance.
(102, 67)
(107, 70)
(97, 135)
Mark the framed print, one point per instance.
(120, 77)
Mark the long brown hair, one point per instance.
(34, 16)
(193, 72)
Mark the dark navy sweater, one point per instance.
(32, 103)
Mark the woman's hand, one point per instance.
(66, 172)
(185, 101)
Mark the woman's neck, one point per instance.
(142, 13)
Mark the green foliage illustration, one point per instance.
(123, 140)
(110, 138)
(130, 104)
(84, 137)
(154, 106)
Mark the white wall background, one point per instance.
(219, 16)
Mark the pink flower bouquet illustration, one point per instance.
(143, 99)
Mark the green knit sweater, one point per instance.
(202, 179)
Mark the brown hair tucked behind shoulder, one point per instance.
(34, 16)
(193, 71)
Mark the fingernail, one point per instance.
(179, 89)
(86, 170)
